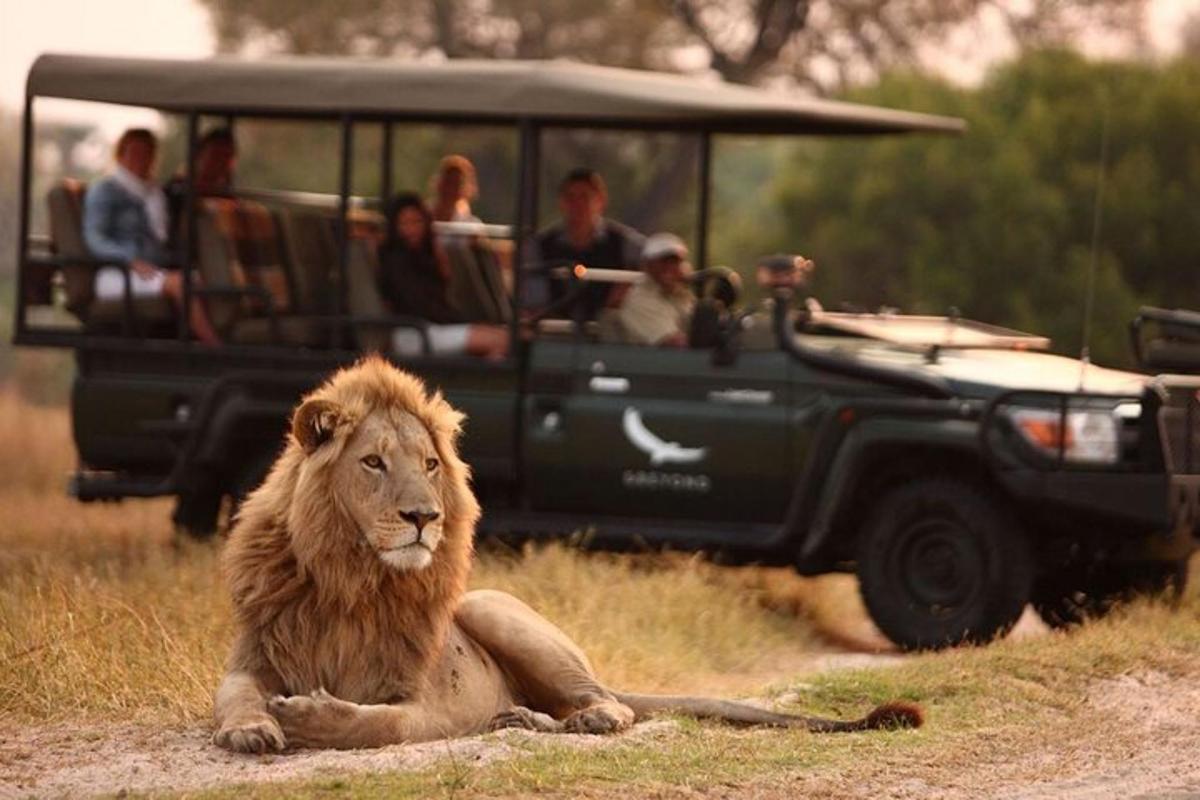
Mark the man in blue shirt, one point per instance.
(126, 221)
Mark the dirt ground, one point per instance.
(1156, 753)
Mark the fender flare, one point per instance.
(228, 408)
(955, 436)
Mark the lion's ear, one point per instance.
(314, 423)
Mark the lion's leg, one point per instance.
(321, 720)
(548, 670)
(240, 709)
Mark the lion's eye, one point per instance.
(431, 464)
(373, 461)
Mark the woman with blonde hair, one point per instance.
(454, 187)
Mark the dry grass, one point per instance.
(104, 613)
(104, 616)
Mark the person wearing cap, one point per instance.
(657, 310)
(773, 272)
(585, 236)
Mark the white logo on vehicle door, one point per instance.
(660, 451)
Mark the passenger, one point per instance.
(126, 220)
(413, 280)
(774, 272)
(212, 174)
(657, 311)
(585, 236)
(454, 187)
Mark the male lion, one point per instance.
(348, 569)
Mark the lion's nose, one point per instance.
(419, 518)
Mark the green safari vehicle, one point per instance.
(960, 469)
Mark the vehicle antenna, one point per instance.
(1089, 303)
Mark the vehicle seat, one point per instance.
(238, 245)
(476, 285)
(64, 202)
(363, 298)
(312, 252)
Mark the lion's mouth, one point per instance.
(408, 546)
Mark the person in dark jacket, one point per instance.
(585, 236)
(414, 281)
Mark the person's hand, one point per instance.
(143, 269)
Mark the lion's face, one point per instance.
(388, 479)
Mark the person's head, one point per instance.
(136, 150)
(216, 154)
(410, 221)
(455, 181)
(782, 271)
(582, 198)
(664, 260)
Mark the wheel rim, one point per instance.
(937, 567)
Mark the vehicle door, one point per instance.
(667, 433)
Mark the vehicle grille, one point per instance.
(1179, 428)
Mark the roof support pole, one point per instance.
(528, 170)
(385, 167)
(528, 173)
(343, 227)
(23, 224)
(186, 252)
(705, 199)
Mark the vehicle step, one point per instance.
(87, 486)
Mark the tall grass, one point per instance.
(104, 613)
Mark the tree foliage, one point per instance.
(820, 43)
(999, 223)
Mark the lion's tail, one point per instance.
(887, 716)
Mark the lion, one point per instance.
(348, 569)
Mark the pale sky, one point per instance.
(180, 29)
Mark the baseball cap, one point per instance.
(780, 262)
(661, 245)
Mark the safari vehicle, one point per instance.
(960, 469)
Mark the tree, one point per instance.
(999, 223)
(823, 44)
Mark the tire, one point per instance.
(941, 563)
(1070, 596)
(251, 472)
(197, 507)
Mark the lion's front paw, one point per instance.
(256, 734)
(603, 718)
(522, 717)
(313, 720)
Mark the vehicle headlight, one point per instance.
(1083, 436)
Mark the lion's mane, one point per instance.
(294, 562)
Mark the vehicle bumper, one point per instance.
(1154, 516)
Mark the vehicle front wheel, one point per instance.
(1072, 595)
(941, 563)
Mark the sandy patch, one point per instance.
(70, 760)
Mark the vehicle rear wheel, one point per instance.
(197, 507)
(251, 472)
(941, 563)
(1071, 596)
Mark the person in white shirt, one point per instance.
(658, 309)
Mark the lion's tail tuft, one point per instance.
(893, 716)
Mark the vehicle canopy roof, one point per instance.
(499, 91)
